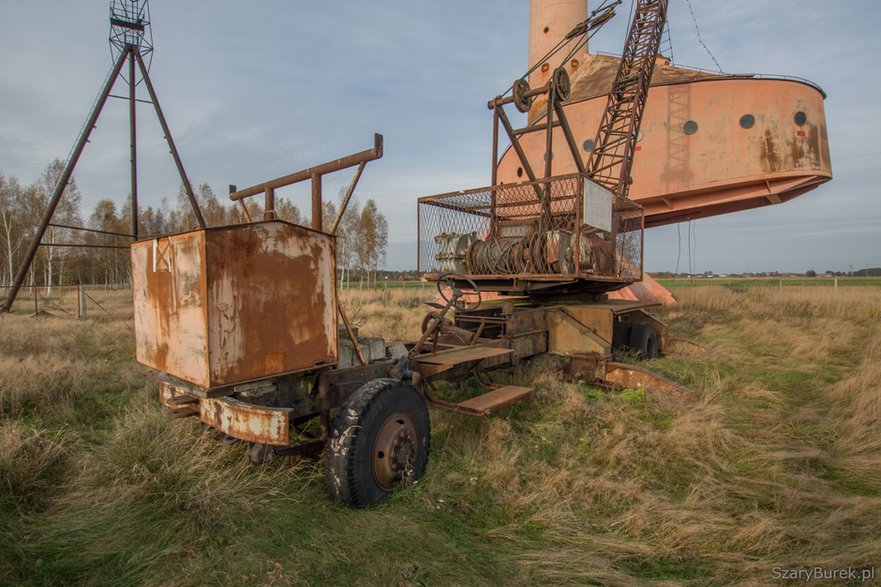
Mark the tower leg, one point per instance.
(177, 161)
(134, 142)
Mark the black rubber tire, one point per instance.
(621, 334)
(348, 464)
(644, 340)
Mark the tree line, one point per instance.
(362, 238)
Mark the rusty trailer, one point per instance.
(245, 327)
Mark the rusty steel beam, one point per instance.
(349, 192)
(244, 208)
(316, 202)
(324, 168)
(570, 138)
(269, 205)
(494, 174)
(535, 127)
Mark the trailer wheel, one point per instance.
(621, 334)
(379, 443)
(644, 340)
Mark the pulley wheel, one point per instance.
(521, 101)
(562, 85)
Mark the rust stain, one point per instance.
(277, 281)
(169, 330)
(770, 159)
(246, 421)
(814, 144)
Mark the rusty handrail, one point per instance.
(312, 173)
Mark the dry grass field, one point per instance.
(778, 464)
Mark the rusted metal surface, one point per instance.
(634, 377)
(168, 285)
(463, 354)
(394, 450)
(430, 364)
(246, 421)
(497, 398)
(646, 290)
(580, 329)
(172, 396)
(229, 305)
(529, 344)
(180, 403)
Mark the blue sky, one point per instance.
(253, 90)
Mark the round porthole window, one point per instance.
(519, 172)
(588, 145)
(747, 121)
(689, 127)
(801, 118)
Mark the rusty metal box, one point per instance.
(227, 305)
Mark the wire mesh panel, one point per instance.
(541, 230)
(628, 235)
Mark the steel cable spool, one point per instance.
(541, 253)
(496, 256)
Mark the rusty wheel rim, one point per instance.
(394, 452)
(521, 101)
